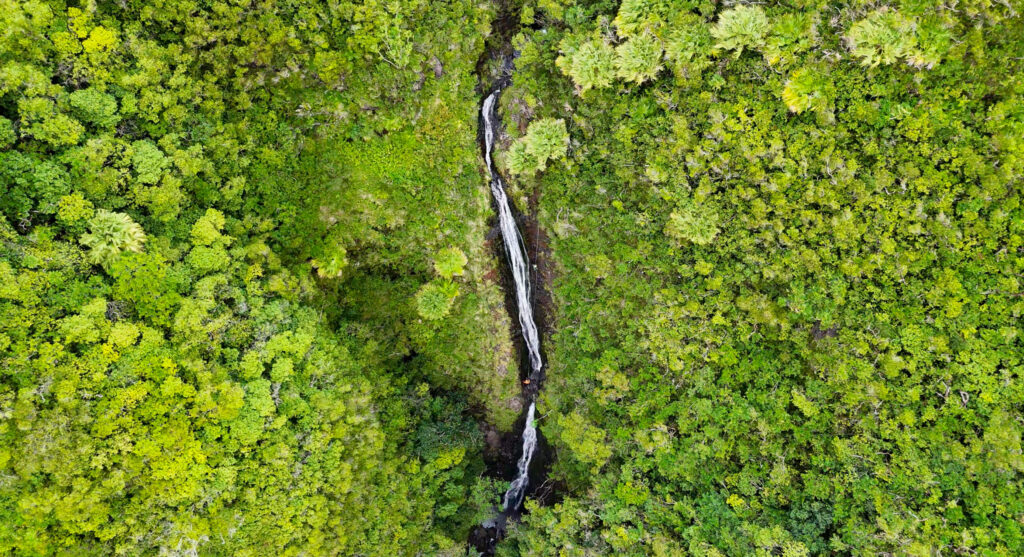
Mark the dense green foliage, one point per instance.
(787, 292)
(545, 139)
(214, 219)
(249, 306)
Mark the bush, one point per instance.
(450, 262)
(807, 89)
(688, 47)
(933, 42)
(790, 35)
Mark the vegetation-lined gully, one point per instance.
(522, 458)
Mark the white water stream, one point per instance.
(517, 490)
(519, 264)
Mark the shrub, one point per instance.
(691, 223)
(519, 160)
(688, 47)
(636, 16)
(807, 89)
(790, 35)
(332, 260)
(933, 42)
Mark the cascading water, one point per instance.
(519, 263)
(517, 490)
(514, 246)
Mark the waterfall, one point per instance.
(519, 264)
(515, 248)
(517, 490)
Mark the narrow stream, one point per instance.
(519, 268)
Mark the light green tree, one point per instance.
(545, 139)
(110, 234)
(434, 300)
(592, 65)
(740, 28)
(883, 37)
(7, 133)
(207, 230)
(95, 107)
(639, 59)
(586, 441)
(149, 161)
(209, 251)
(73, 211)
(41, 119)
(450, 262)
